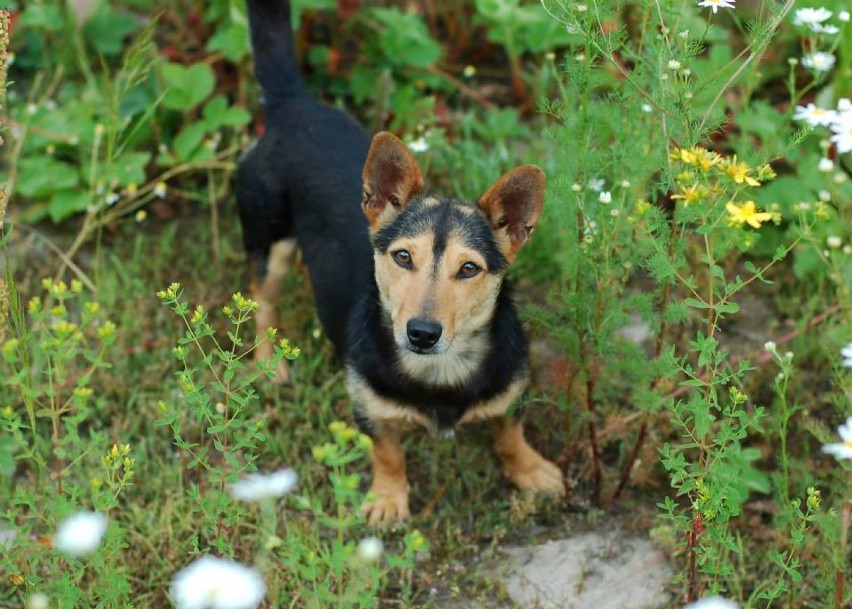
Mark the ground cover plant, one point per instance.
(687, 294)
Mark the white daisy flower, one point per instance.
(825, 165)
(80, 534)
(717, 4)
(811, 17)
(846, 353)
(674, 64)
(843, 16)
(814, 115)
(419, 145)
(258, 487)
(160, 190)
(842, 132)
(38, 600)
(829, 29)
(844, 104)
(217, 583)
(605, 197)
(833, 241)
(647, 108)
(842, 450)
(596, 184)
(713, 602)
(818, 61)
(370, 549)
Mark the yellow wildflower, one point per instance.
(642, 206)
(747, 213)
(821, 211)
(700, 157)
(738, 171)
(691, 194)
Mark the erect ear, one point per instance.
(391, 177)
(513, 204)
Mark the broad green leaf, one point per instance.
(66, 203)
(42, 175)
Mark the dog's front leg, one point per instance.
(389, 491)
(521, 462)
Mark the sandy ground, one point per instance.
(600, 569)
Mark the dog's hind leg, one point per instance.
(390, 484)
(267, 275)
(521, 462)
(265, 216)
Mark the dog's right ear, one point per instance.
(391, 177)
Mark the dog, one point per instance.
(409, 286)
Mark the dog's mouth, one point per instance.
(423, 351)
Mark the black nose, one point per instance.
(423, 333)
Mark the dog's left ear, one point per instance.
(391, 177)
(513, 204)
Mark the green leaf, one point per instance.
(107, 30)
(188, 87)
(728, 307)
(129, 168)
(42, 175)
(695, 303)
(189, 139)
(405, 40)
(66, 203)
(232, 41)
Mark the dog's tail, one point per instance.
(275, 65)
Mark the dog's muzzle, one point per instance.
(423, 334)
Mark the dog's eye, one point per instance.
(402, 258)
(469, 269)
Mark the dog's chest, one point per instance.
(436, 410)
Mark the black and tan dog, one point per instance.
(409, 286)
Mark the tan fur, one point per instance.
(390, 484)
(497, 407)
(386, 411)
(379, 409)
(266, 295)
(463, 307)
(522, 464)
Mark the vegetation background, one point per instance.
(687, 294)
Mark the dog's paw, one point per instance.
(537, 475)
(388, 505)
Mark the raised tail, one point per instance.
(275, 65)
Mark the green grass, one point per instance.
(469, 504)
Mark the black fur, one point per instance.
(374, 351)
(442, 219)
(303, 180)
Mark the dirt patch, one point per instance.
(611, 569)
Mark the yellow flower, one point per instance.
(746, 213)
(739, 172)
(691, 194)
(698, 157)
(686, 156)
(642, 207)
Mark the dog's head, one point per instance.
(440, 262)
